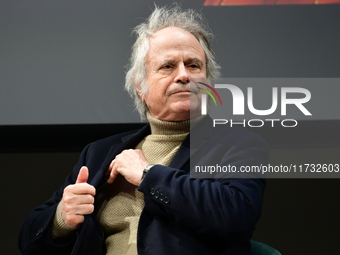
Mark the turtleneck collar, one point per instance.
(162, 127)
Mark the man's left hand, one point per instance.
(129, 163)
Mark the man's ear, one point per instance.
(139, 92)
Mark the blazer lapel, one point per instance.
(195, 140)
(182, 155)
(126, 142)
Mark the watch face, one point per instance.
(148, 167)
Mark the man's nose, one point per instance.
(182, 75)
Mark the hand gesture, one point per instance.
(77, 200)
(130, 163)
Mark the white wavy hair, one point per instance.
(163, 17)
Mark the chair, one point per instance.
(258, 248)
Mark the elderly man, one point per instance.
(132, 193)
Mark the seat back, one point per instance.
(258, 248)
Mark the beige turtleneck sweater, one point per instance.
(119, 205)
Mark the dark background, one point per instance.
(72, 50)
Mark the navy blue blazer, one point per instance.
(182, 215)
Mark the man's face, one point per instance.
(174, 58)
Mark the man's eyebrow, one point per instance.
(194, 60)
(168, 62)
(188, 61)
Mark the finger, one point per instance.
(72, 221)
(112, 164)
(86, 199)
(108, 171)
(113, 176)
(77, 200)
(83, 175)
(83, 209)
(79, 189)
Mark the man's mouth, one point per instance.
(182, 92)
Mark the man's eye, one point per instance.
(167, 67)
(193, 66)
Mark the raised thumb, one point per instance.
(83, 175)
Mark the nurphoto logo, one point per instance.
(280, 99)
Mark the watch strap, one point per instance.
(146, 170)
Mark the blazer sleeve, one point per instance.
(218, 206)
(35, 234)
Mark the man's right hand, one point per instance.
(77, 200)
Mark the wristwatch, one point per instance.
(146, 170)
